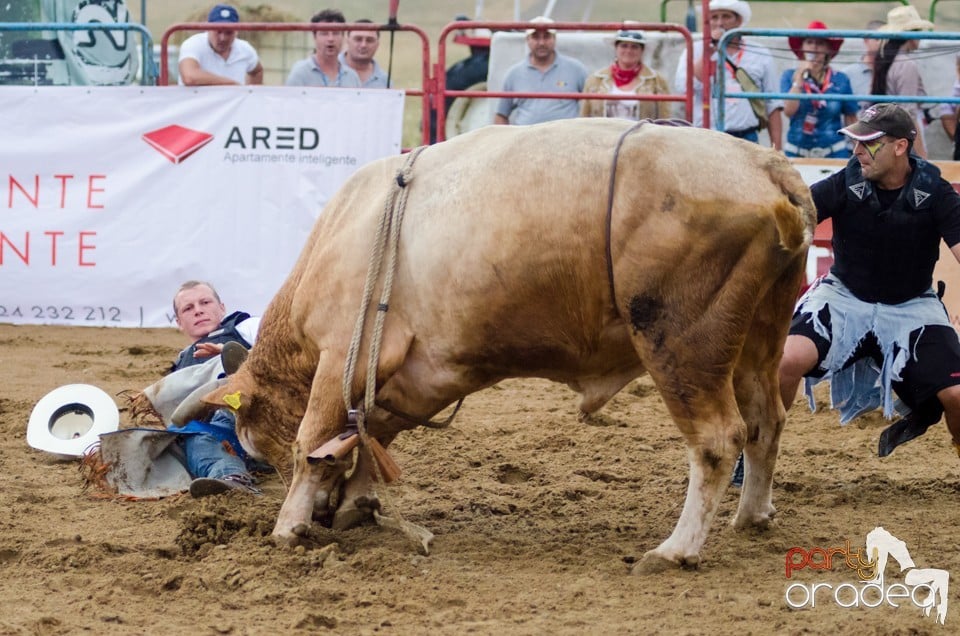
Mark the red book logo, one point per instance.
(176, 143)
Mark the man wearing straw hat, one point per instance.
(741, 118)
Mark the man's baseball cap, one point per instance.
(541, 20)
(223, 13)
(882, 119)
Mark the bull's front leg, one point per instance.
(325, 417)
(360, 498)
(309, 487)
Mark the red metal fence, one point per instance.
(432, 87)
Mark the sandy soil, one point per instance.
(537, 520)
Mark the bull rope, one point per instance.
(387, 237)
(611, 189)
(387, 240)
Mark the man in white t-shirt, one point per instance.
(218, 57)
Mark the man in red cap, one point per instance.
(874, 326)
(813, 123)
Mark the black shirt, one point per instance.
(886, 243)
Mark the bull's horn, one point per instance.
(193, 407)
(335, 449)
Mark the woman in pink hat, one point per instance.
(814, 122)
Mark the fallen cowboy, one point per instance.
(587, 252)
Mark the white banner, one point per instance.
(114, 196)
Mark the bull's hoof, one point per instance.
(655, 563)
(301, 529)
(355, 513)
(291, 538)
(757, 521)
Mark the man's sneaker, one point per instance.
(206, 486)
(232, 356)
(902, 431)
(737, 480)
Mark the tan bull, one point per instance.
(502, 272)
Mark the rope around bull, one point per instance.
(387, 240)
(611, 190)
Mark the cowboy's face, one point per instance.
(879, 156)
(629, 54)
(724, 19)
(816, 50)
(542, 44)
(198, 311)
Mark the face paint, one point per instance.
(872, 147)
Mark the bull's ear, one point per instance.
(234, 394)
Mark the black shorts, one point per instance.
(937, 363)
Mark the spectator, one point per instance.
(466, 73)
(861, 73)
(472, 69)
(813, 124)
(324, 67)
(219, 57)
(894, 72)
(950, 112)
(202, 317)
(740, 119)
(361, 47)
(874, 325)
(626, 76)
(544, 71)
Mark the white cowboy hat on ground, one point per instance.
(69, 420)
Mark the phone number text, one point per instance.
(62, 312)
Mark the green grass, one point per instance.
(433, 15)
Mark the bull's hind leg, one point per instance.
(758, 396)
(690, 338)
(714, 432)
(759, 399)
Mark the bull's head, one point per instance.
(265, 429)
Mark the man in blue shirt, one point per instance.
(544, 71)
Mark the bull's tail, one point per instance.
(795, 214)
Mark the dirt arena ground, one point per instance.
(537, 519)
